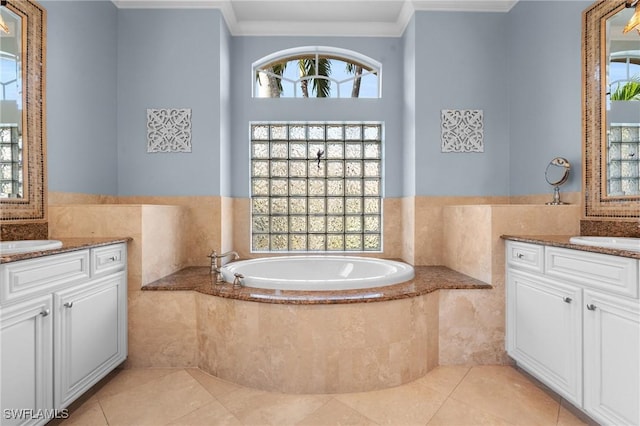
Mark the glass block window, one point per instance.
(10, 161)
(623, 162)
(316, 187)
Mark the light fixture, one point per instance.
(3, 26)
(634, 22)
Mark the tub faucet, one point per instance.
(215, 267)
(237, 281)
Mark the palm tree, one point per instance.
(357, 70)
(270, 77)
(321, 85)
(627, 92)
(270, 80)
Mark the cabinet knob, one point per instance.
(68, 305)
(45, 312)
(519, 255)
(567, 299)
(591, 307)
(112, 259)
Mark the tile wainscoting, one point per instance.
(171, 233)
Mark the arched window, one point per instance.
(322, 72)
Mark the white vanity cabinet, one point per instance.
(63, 321)
(573, 321)
(91, 335)
(611, 358)
(544, 322)
(26, 359)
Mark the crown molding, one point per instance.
(239, 27)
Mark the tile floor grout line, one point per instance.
(449, 395)
(356, 410)
(317, 409)
(104, 415)
(460, 381)
(173, 369)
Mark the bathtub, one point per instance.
(318, 273)
(347, 344)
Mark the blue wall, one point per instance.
(169, 59)
(81, 96)
(545, 110)
(107, 66)
(461, 63)
(409, 110)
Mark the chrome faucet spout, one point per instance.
(215, 266)
(235, 255)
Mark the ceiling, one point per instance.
(321, 17)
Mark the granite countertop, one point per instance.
(563, 241)
(68, 244)
(427, 279)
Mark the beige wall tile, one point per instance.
(162, 329)
(315, 348)
(466, 244)
(460, 232)
(574, 198)
(429, 232)
(471, 327)
(241, 227)
(164, 245)
(226, 224)
(472, 322)
(80, 198)
(201, 226)
(408, 230)
(102, 220)
(393, 228)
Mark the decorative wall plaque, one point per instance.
(462, 130)
(169, 130)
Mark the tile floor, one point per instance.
(448, 395)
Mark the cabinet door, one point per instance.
(91, 335)
(26, 359)
(544, 329)
(612, 358)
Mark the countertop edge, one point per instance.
(68, 245)
(563, 242)
(428, 279)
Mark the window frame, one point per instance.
(379, 198)
(371, 65)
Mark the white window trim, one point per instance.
(339, 53)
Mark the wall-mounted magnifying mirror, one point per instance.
(556, 174)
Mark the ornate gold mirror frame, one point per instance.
(597, 205)
(32, 207)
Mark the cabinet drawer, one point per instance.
(108, 259)
(525, 256)
(613, 274)
(43, 275)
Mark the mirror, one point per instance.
(556, 174)
(22, 136)
(623, 105)
(611, 120)
(11, 105)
